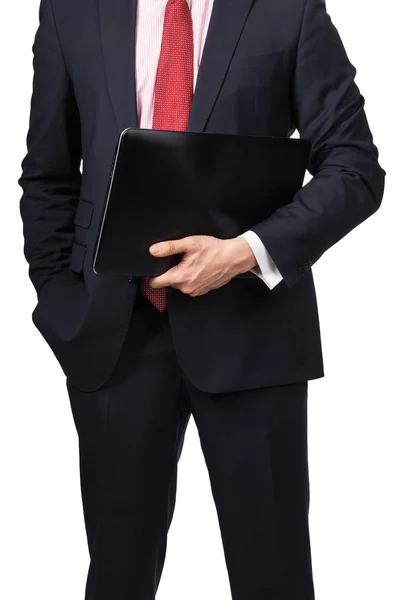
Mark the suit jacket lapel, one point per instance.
(118, 25)
(227, 21)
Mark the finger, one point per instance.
(173, 247)
(164, 280)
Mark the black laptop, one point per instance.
(165, 185)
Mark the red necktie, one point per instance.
(173, 92)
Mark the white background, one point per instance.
(354, 446)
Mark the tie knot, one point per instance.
(178, 3)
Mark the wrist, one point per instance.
(245, 258)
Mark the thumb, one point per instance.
(171, 247)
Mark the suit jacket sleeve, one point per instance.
(51, 176)
(348, 182)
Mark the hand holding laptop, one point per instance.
(207, 263)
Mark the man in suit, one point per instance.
(231, 335)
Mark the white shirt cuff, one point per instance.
(266, 270)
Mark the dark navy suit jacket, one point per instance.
(269, 67)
